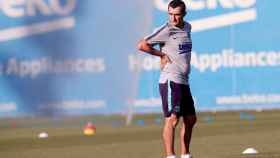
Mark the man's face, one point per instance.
(176, 16)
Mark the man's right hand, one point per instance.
(164, 60)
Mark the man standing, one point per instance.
(174, 40)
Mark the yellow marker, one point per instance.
(89, 132)
(89, 129)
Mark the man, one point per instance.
(174, 40)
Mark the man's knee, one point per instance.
(190, 121)
(172, 121)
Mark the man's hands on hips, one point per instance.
(146, 47)
(164, 60)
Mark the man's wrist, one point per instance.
(161, 54)
(157, 53)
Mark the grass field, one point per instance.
(216, 135)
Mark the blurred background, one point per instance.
(70, 57)
(70, 72)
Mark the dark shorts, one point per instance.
(176, 99)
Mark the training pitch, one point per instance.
(216, 135)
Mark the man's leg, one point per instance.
(169, 134)
(186, 133)
(170, 105)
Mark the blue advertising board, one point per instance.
(79, 57)
(235, 57)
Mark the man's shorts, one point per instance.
(176, 99)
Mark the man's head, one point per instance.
(176, 11)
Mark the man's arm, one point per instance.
(145, 47)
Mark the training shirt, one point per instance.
(177, 44)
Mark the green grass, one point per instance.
(219, 135)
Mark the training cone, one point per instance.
(89, 129)
(250, 151)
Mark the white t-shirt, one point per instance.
(177, 44)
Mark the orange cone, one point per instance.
(89, 129)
